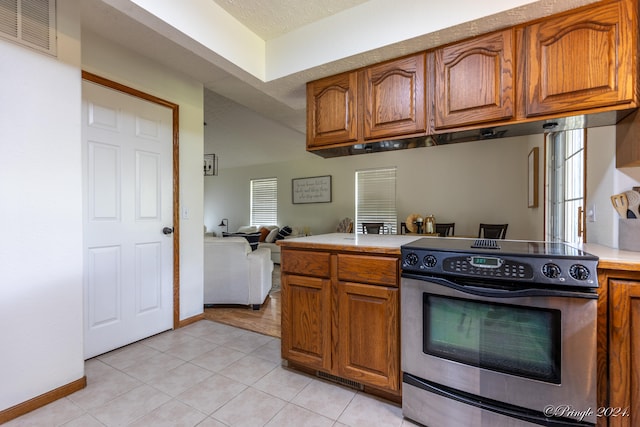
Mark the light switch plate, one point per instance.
(591, 213)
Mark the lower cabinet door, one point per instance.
(367, 335)
(624, 348)
(306, 321)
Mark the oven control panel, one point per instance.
(528, 269)
(488, 266)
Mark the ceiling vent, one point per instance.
(31, 23)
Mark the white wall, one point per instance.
(114, 62)
(40, 212)
(467, 183)
(41, 310)
(463, 183)
(604, 180)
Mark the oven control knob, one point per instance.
(552, 271)
(411, 259)
(430, 261)
(579, 272)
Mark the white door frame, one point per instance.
(176, 169)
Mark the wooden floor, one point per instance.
(265, 321)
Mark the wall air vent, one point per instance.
(31, 23)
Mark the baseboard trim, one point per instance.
(190, 320)
(42, 400)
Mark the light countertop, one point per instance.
(385, 243)
(612, 258)
(390, 243)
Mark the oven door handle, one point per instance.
(488, 292)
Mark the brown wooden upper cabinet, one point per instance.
(474, 81)
(392, 103)
(581, 60)
(394, 98)
(332, 110)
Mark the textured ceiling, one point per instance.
(271, 18)
(281, 101)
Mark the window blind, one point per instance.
(264, 201)
(376, 198)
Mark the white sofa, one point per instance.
(234, 274)
(270, 242)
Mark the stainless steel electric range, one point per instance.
(498, 333)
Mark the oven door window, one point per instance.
(506, 338)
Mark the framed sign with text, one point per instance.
(316, 189)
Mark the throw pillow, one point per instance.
(264, 232)
(252, 238)
(271, 237)
(284, 232)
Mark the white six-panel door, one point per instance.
(128, 200)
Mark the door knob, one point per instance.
(167, 230)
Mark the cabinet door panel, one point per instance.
(580, 61)
(368, 333)
(395, 98)
(474, 81)
(332, 110)
(624, 345)
(306, 321)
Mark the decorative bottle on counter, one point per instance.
(430, 224)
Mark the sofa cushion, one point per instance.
(264, 232)
(247, 229)
(284, 232)
(239, 243)
(271, 237)
(252, 238)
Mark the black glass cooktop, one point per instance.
(502, 247)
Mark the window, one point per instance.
(376, 198)
(565, 193)
(264, 201)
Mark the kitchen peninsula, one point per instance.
(340, 308)
(340, 313)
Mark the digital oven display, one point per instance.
(487, 262)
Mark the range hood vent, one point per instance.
(376, 147)
(607, 118)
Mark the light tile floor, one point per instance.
(209, 375)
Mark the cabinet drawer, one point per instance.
(306, 263)
(368, 269)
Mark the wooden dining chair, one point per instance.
(445, 229)
(372, 228)
(492, 231)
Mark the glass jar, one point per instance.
(430, 224)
